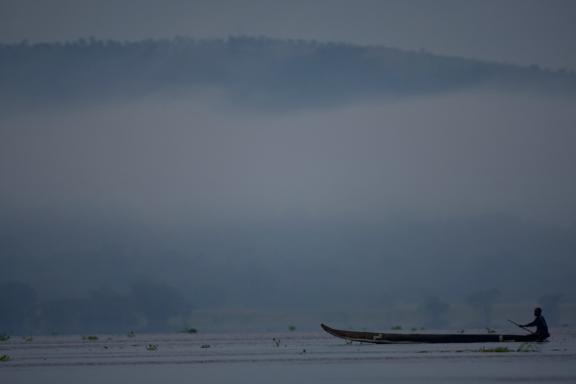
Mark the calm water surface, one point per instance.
(279, 358)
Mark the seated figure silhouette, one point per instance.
(540, 324)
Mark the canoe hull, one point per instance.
(402, 338)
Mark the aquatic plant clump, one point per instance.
(5, 358)
(90, 338)
(527, 347)
(497, 350)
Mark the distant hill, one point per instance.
(257, 71)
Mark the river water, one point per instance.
(280, 358)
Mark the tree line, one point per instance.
(287, 72)
(147, 306)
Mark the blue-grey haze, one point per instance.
(143, 181)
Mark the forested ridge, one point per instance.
(281, 72)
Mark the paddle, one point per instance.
(518, 325)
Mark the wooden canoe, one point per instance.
(401, 338)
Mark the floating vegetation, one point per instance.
(131, 334)
(396, 328)
(497, 350)
(527, 347)
(190, 330)
(291, 328)
(4, 337)
(28, 339)
(5, 358)
(152, 347)
(90, 338)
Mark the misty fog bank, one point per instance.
(459, 155)
(371, 207)
(134, 180)
(299, 264)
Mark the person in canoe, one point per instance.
(540, 324)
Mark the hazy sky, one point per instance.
(522, 31)
(419, 195)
